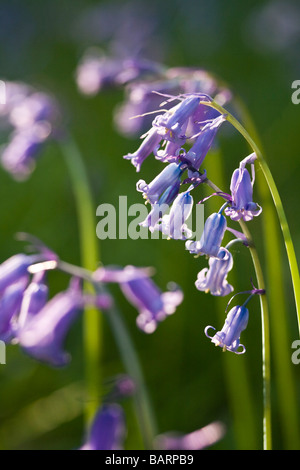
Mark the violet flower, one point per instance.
(139, 289)
(150, 144)
(229, 337)
(161, 207)
(43, 336)
(19, 155)
(241, 187)
(10, 304)
(15, 269)
(211, 238)
(173, 225)
(107, 431)
(170, 124)
(196, 155)
(213, 279)
(34, 299)
(166, 179)
(196, 440)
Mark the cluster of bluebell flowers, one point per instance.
(181, 137)
(40, 324)
(30, 119)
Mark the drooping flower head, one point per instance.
(213, 279)
(152, 304)
(172, 124)
(33, 118)
(204, 140)
(168, 178)
(241, 187)
(34, 299)
(150, 144)
(196, 440)
(158, 209)
(15, 269)
(211, 238)
(10, 304)
(173, 225)
(42, 337)
(229, 337)
(107, 431)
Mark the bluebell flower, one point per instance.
(107, 431)
(241, 187)
(229, 337)
(211, 238)
(213, 279)
(15, 269)
(152, 304)
(171, 125)
(37, 107)
(171, 151)
(173, 225)
(35, 119)
(34, 299)
(196, 440)
(42, 337)
(19, 155)
(10, 304)
(150, 144)
(197, 153)
(159, 208)
(169, 177)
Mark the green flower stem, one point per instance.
(266, 361)
(287, 393)
(141, 399)
(92, 319)
(266, 365)
(241, 395)
(277, 202)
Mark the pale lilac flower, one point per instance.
(149, 145)
(241, 187)
(19, 155)
(95, 73)
(213, 279)
(34, 108)
(15, 269)
(196, 155)
(10, 304)
(171, 124)
(211, 238)
(107, 431)
(152, 304)
(169, 177)
(196, 440)
(43, 336)
(159, 208)
(173, 225)
(34, 299)
(229, 337)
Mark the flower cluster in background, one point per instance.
(30, 118)
(108, 429)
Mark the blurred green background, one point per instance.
(254, 47)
